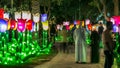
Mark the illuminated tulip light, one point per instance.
(3, 25)
(21, 25)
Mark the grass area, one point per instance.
(34, 61)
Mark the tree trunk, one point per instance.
(116, 7)
(35, 6)
(104, 10)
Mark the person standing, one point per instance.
(80, 45)
(108, 45)
(95, 39)
(100, 31)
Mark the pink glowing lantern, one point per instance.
(87, 21)
(67, 27)
(66, 23)
(116, 19)
(21, 25)
(13, 24)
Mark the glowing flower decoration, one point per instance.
(77, 26)
(43, 17)
(112, 20)
(21, 25)
(3, 25)
(67, 27)
(58, 26)
(17, 15)
(1, 12)
(45, 25)
(66, 23)
(36, 17)
(33, 27)
(75, 22)
(29, 25)
(71, 26)
(78, 22)
(116, 19)
(115, 28)
(8, 24)
(6, 15)
(87, 21)
(89, 27)
(13, 24)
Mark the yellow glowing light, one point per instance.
(77, 26)
(71, 26)
(45, 25)
(83, 23)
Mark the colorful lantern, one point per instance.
(13, 24)
(116, 19)
(29, 25)
(45, 25)
(17, 15)
(78, 22)
(3, 25)
(36, 17)
(6, 15)
(43, 17)
(8, 24)
(87, 21)
(66, 23)
(33, 27)
(67, 27)
(89, 27)
(1, 12)
(75, 22)
(115, 28)
(21, 25)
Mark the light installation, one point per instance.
(45, 45)
(116, 20)
(18, 49)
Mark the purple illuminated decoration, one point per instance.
(21, 25)
(43, 17)
(3, 25)
(115, 28)
(33, 27)
(75, 22)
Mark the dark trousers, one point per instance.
(108, 59)
(64, 45)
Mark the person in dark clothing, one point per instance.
(52, 33)
(95, 39)
(100, 31)
(108, 45)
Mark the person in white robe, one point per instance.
(80, 45)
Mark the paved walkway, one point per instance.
(66, 60)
